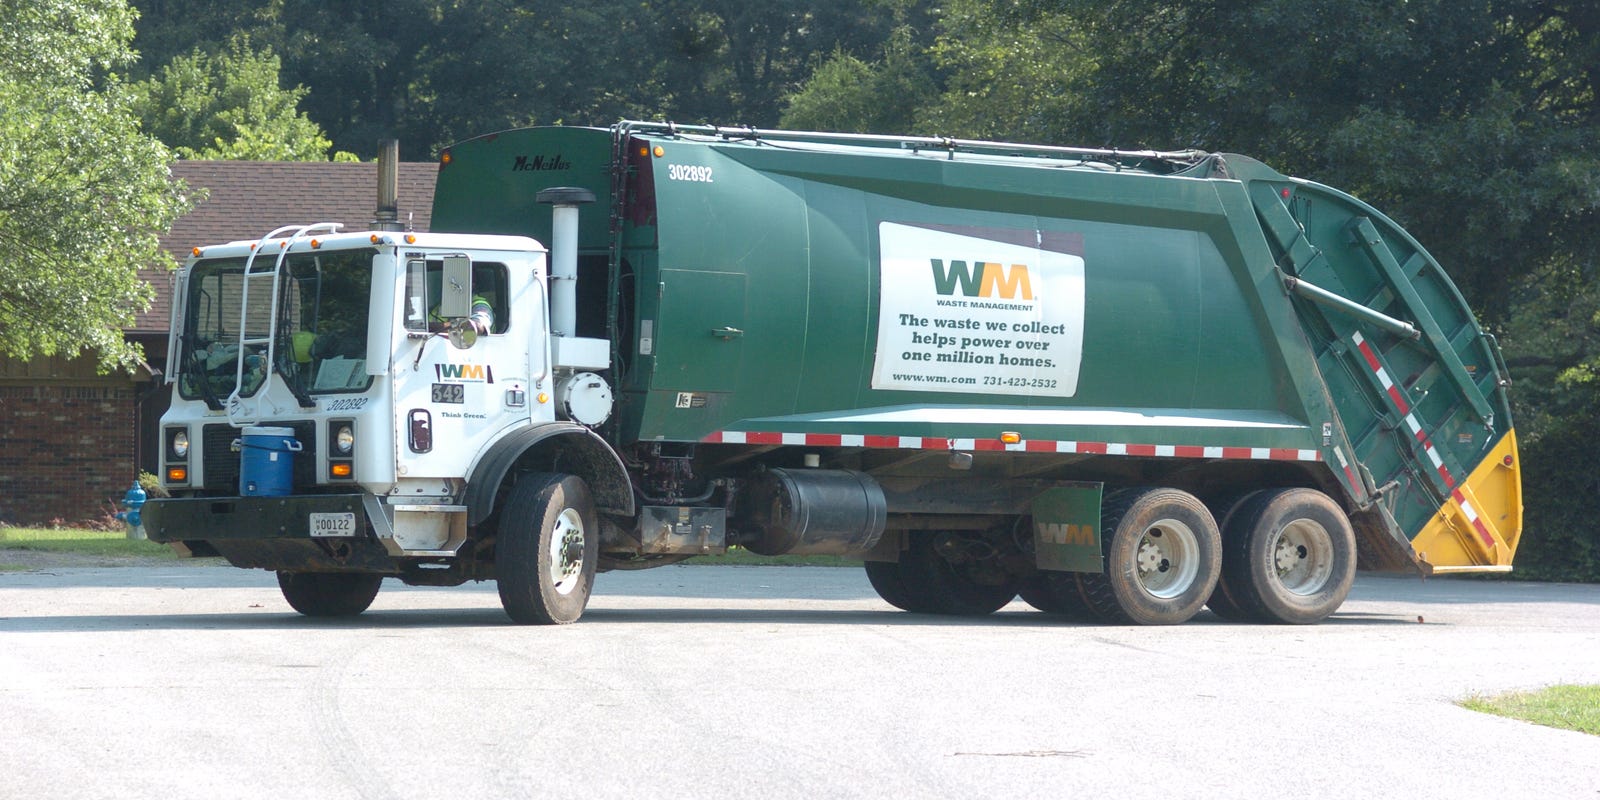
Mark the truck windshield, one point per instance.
(318, 331)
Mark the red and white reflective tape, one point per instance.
(1472, 517)
(1349, 474)
(1025, 446)
(1405, 408)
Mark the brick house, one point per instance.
(71, 441)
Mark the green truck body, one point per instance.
(1184, 331)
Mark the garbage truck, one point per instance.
(1123, 385)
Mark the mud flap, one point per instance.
(1066, 529)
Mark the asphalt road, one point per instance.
(198, 682)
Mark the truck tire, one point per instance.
(1289, 556)
(546, 550)
(1057, 593)
(1223, 600)
(936, 585)
(887, 582)
(329, 594)
(1162, 555)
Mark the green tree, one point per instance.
(84, 194)
(851, 95)
(1007, 78)
(229, 106)
(432, 72)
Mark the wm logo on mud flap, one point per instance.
(982, 279)
(1058, 533)
(1066, 528)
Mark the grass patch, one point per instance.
(1569, 707)
(89, 543)
(740, 557)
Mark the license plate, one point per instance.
(333, 524)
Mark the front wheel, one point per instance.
(1162, 558)
(547, 547)
(329, 594)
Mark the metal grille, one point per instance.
(222, 464)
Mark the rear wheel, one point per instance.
(887, 582)
(1223, 601)
(329, 594)
(1289, 556)
(1057, 593)
(1163, 555)
(546, 550)
(955, 573)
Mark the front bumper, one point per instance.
(271, 532)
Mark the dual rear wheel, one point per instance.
(954, 573)
(1288, 557)
(1162, 550)
(1285, 555)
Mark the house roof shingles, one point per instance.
(248, 198)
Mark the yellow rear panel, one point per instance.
(1478, 529)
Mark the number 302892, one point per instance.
(689, 172)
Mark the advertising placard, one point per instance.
(979, 310)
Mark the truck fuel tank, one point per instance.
(814, 512)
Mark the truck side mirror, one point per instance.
(463, 337)
(455, 294)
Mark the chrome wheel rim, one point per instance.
(1167, 559)
(1302, 557)
(566, 551)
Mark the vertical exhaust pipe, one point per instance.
(564, 255)
(387, 217)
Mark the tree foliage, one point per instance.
(851, 95)
(432, 72)
(228, 106)
(84, 194)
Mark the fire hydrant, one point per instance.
(133, 501)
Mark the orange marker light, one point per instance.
(544, 397)
(177, 474)
(196, 252)
(445, 158)
(315, 244)
(660, 151)
(644, 151)
(1010, 437)
(339, 470)
(410, 239)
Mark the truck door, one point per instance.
(700, 338)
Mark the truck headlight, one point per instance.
(180, 444)
(344, 440)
